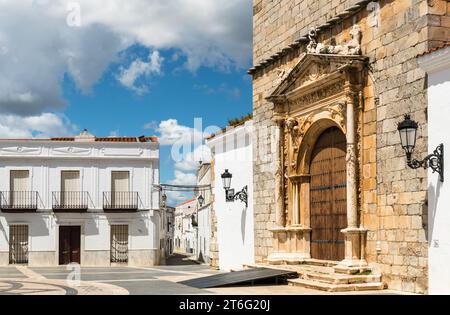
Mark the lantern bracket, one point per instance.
(435, 161)
(241, 195)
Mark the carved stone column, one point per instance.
(280, 216)
(352, 219)
(354, 235)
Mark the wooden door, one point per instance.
(69, 244)
(328, 196)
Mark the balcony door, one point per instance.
(20, 195)
(120, 188)
(70, 189)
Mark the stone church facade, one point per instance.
(331, 80)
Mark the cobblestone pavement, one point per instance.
(128, 280)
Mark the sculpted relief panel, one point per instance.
(297, 127)
(19, 150)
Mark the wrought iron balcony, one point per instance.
(120, 200)
(18, 201)
(70, 201)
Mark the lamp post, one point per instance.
(408, 134)
(230, 196)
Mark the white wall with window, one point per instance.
(437, 66)
(93, 183)
(232, 150)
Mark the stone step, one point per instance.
(334, 278)
(318, 262)
(329, 287)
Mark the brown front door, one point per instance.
(328, 196)
(69, 244)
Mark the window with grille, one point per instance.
(119, 243)
(18, 244)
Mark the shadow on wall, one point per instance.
(3, 231)
(243, 222)
(39, 226)
(433, 199)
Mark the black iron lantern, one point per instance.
(226, 178)
(164, 199)
(200, 200)
(408, 135)
(230, 196)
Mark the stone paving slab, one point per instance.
(56, 287)
(104, 276)
(157, 287)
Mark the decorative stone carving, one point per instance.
(20, 150)
(319, 94)
(282, 74)
(71, 151)
(312, 45)
(338, 114)
(314, 73)
(353, 47)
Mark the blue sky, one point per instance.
(125, 68)
(110, 108)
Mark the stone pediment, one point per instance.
(314, 71)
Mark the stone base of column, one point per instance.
(354, 262)
(290, 245)
(286, 258)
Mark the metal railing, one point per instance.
(19, 200)
(120, 200)
(18, 244)
(70, 200)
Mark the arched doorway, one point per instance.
(328, 196)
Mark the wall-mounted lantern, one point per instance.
(230, 196)
(200, 200)
(163, 199)
(408, 133)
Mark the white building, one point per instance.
(204, 213)
(437, 65)
(167, 229)
(185, 230)
(83, 199)
(232, 151)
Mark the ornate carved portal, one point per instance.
(321, 93)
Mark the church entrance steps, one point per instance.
(321, 275)
(323, 286)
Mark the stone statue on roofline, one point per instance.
(352, 47)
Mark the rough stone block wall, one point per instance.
(277, 23)
(393, 197)
(214, 246)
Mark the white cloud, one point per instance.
(190, 142)
(140, 69)
(211, 33)
(182, 178)
(38, 48)
(191, 160)
(170, 133)
(176, 197)
(44, 125)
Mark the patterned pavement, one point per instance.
(128, 280)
